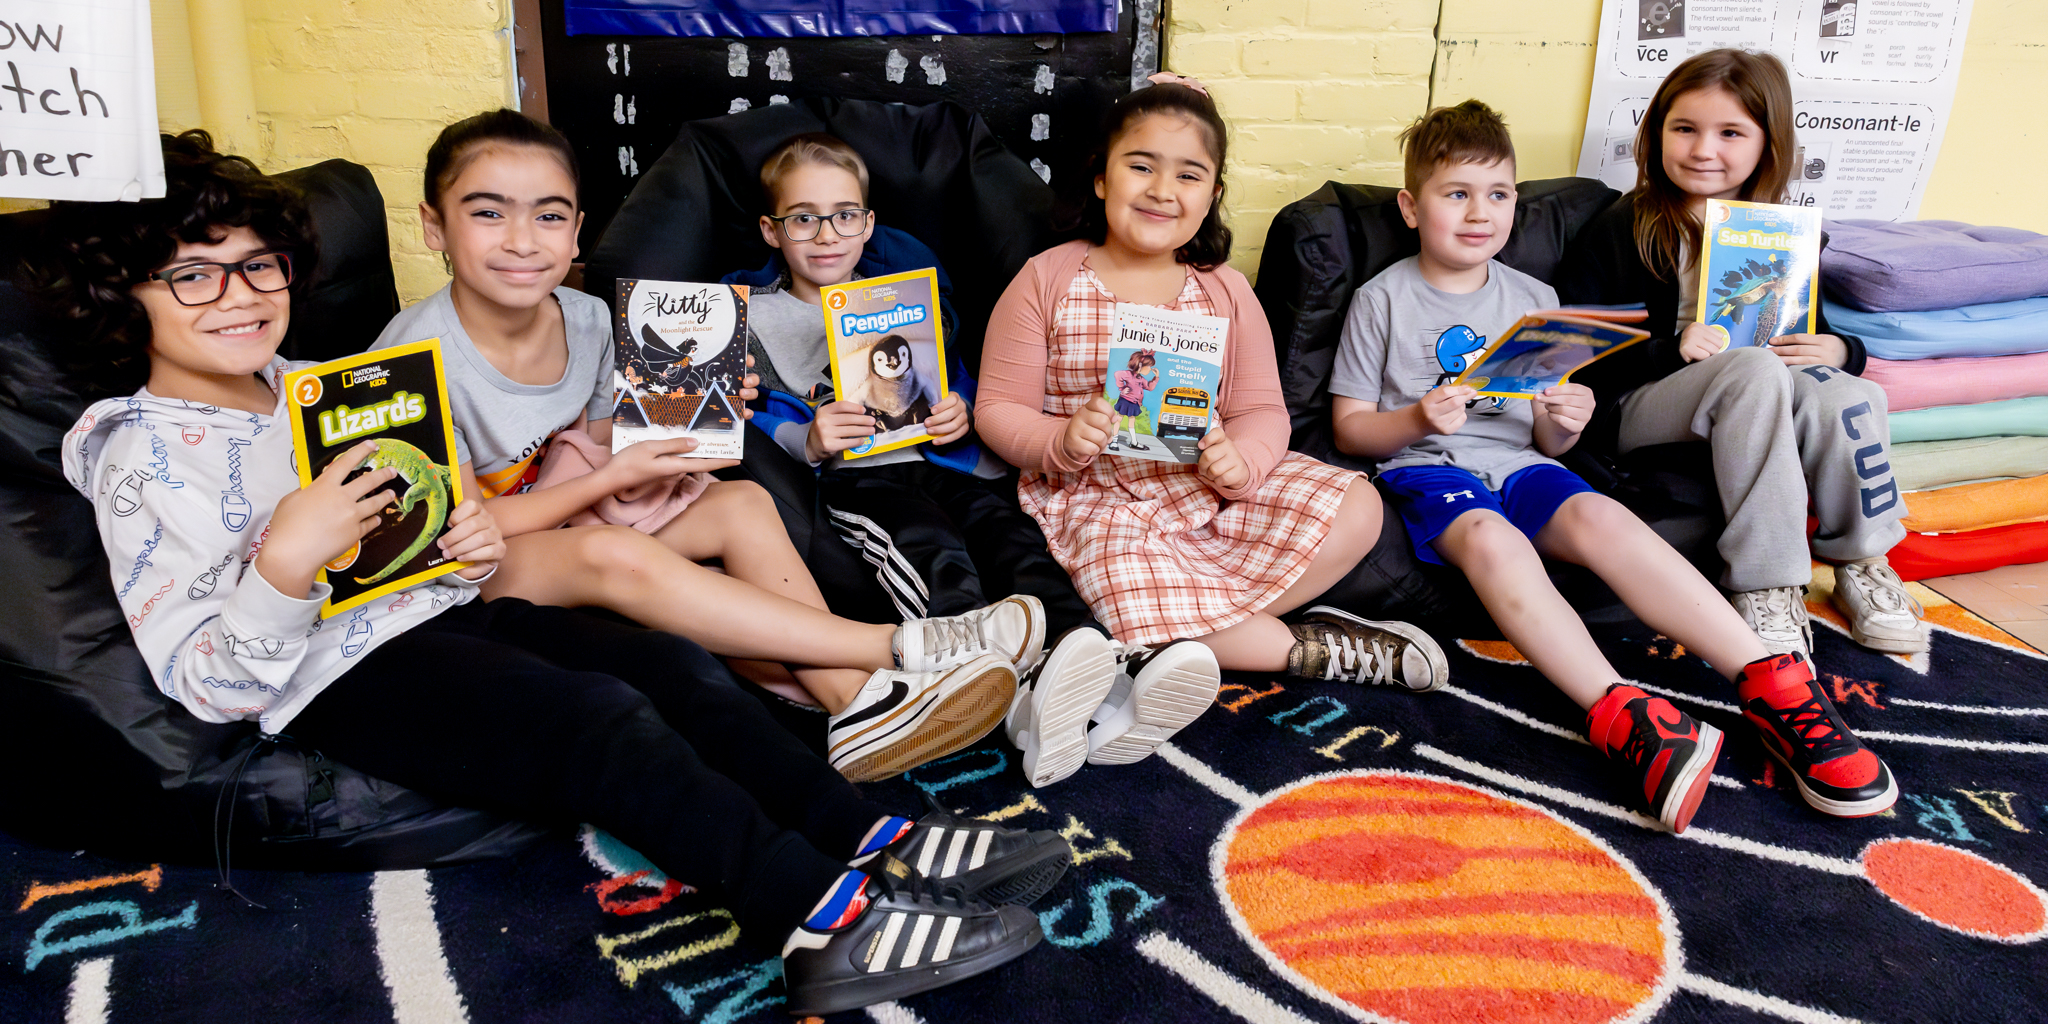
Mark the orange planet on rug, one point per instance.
(1424, 900)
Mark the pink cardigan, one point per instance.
(1010, 412)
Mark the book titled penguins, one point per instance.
(1759, 271)
(1545, 347)
(1165, 376)
(397, 397)
(888, 353)
(680, 355)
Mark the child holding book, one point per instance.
(538, 713)
(937, 519)
(527, 358)
(1201, 559)
(1481, 490)
(1790, 423)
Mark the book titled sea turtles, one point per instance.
(1164, 382)
(397, 397)
(679, 360)
(888, 352)
(1759, 271)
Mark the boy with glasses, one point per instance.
(939, 521)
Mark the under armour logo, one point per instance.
(1453, 496)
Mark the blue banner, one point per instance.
(790, 18)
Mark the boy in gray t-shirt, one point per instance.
(1475, 483)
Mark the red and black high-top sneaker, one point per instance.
(1836, 773)
(1673, 754)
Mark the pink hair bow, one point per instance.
(1169, 78)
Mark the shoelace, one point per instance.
(1774, 612)
(1881, 586)
(946, 636)
(920, 889)
(1642, 736)
(1359, 658)
(1812, 722)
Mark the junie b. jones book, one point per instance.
(1544, 348)
(397, 397)
(1165, 369)
(888, 353)
(1759, 271)
(679, 357)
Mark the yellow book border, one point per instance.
(1699, 315)
(329, 609)
(1567, 378)
(930, 276)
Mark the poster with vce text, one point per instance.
(1872, 85)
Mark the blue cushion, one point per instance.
(1987, 329)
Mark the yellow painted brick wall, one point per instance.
(1313, 89)
(1317, 89)
(372, 81)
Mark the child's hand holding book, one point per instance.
(1087, 431)
(473, 536)
(319, 522)
(950, 420)
(835, 427)
(1442, 410)
(1221, 466)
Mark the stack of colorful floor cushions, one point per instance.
(1955, 318)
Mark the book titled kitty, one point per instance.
(888, 353)
(679, 360)
(397, 397)
(1165, 372)
(1759, 271)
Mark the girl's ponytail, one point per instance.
(1665, 223)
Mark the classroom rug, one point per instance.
(1305, 853)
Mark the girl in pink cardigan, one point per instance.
(1196, 560)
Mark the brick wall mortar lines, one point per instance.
(373, 81)
(1314, 90)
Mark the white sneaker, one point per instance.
(1012, 629)
(900, 720)
(1778, 617)
(1882, 615)
(1157, 693)
(1049, 721)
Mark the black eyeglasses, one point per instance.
(197, 284)
(802, 227)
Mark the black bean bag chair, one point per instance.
(935, 171)
(1320, 249)
(96, 757)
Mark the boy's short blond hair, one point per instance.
(811, 148)
(1469, 133)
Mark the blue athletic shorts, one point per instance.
(1430, 498)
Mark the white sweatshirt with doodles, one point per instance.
(182, 494)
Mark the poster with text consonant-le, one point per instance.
(1873, 82)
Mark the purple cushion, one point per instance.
(1884, 267)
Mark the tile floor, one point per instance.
(2013, 597)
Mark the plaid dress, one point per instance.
(1157, 553)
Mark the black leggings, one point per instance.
(964, 538)
(558, 717)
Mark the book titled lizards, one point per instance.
(678, 363)
(888, 353)
(1164, 381)
(397, 397)
(1759, 271)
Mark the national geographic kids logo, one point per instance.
(365, 377)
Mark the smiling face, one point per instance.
(195, 350)
(821, 190)
(508, 224)
(1711, 144)
(1158, 184)
(1463, 213)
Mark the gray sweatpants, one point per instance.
(1779, 434)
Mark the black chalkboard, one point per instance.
(621, 99)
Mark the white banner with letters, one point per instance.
(1872, 84)
(78, 101)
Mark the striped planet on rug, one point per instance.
(1305, 853)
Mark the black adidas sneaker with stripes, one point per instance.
(915, 935)
(985, 860)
